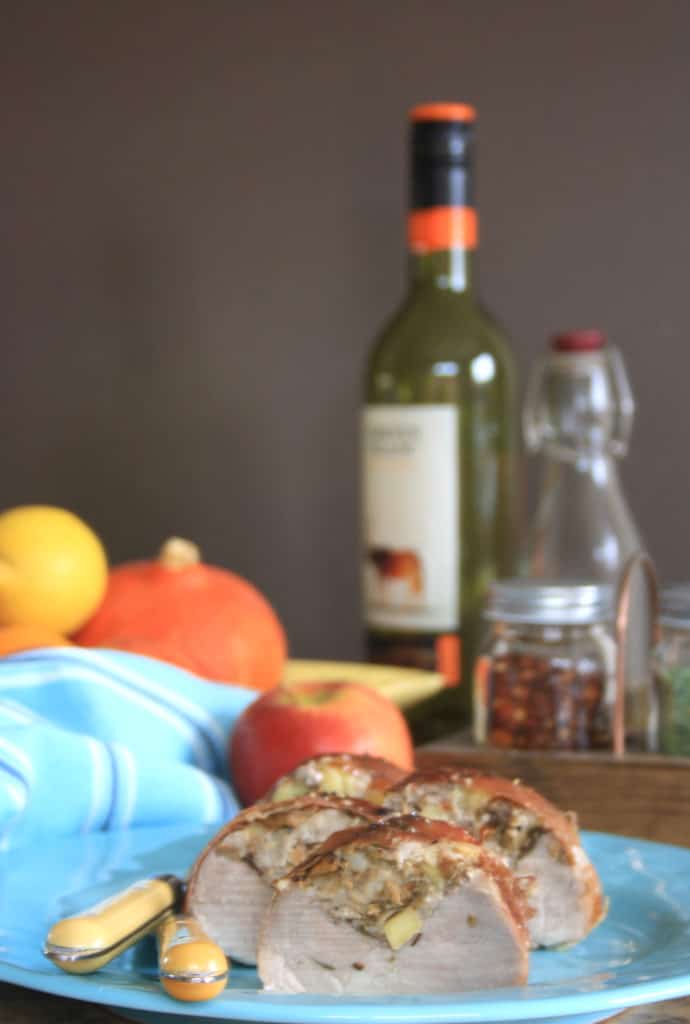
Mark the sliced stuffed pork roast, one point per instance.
(537, 841)
(230, 883)
(356, 775)
(407, 906)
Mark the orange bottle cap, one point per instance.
(443, 112)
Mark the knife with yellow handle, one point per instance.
(88, 941)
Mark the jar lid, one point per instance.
(542, 602)
(589, 340)
(674, 606)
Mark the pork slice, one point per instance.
(536, 840)
(229, 901)
(229, 888)
(564, 895)
(326, 930)
(469, 942)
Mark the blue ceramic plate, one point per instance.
(640, 954)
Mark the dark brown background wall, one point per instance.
(202, 228)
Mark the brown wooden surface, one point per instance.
(23, 1006)
(638, 795)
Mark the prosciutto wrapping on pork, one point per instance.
(406, 906)
(537, 841)
(230, 883)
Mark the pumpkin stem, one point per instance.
(177, 553)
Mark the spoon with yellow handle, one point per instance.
(90, 940)
(192, 967)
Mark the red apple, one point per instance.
(290, 724)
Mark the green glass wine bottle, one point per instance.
(439, 437)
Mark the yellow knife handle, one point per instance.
(87, 941)
(192, 967)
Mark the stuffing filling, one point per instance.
(509, 829)
(326, 777)
(274, 846)
(387, 892)
(504, 827)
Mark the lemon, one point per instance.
(53, 568)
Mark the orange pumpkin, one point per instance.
(200, 617)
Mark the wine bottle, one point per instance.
(439, 436)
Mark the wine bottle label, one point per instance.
(433, 652)
(411, 517)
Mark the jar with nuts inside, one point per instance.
(546, 677)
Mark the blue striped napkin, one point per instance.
(100, 739)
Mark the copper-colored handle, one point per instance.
(642, 560)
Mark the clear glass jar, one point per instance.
(672, 670)
(578, 416)
(546, 677)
